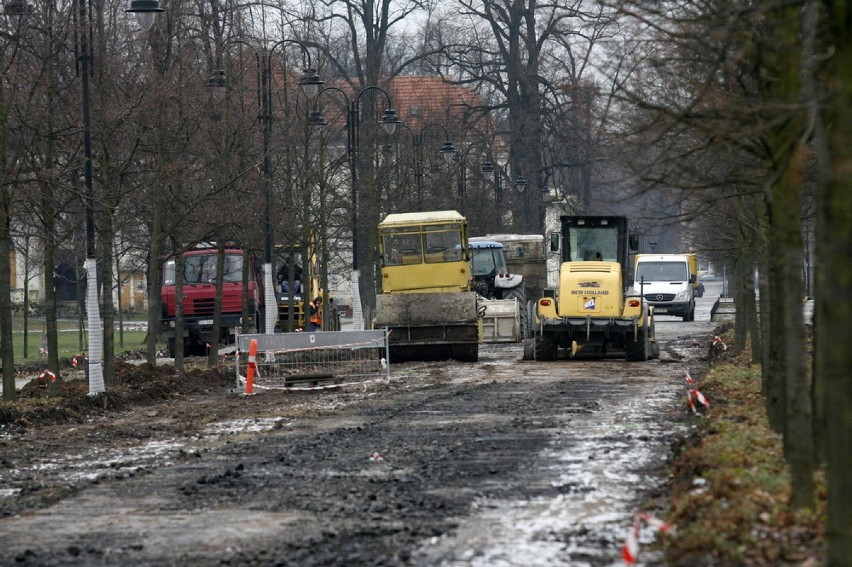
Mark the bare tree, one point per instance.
(833, 127)
(727, 84)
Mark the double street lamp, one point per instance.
(389, 121)
(310, 83)
(497, 173)
(447, 150)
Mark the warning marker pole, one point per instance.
(252, 364)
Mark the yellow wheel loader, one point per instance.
(590, 312)
(426, 300)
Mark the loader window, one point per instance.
(587, 242)
(402, 248)
(443, 244)
(488, 261)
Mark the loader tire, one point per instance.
(529, 349)
(638, 349)
(544, 348)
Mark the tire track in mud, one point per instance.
(412, 472)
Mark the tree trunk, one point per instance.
(153, 273)
(107, 236)
(833, 357)
(7, 350)
(798, 427)
(213, 353)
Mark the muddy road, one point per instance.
(502, 462)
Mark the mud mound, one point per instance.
(133, 385)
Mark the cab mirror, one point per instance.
(555, 238)
(633, 242)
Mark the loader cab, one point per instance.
(424, 252)
(587, 239)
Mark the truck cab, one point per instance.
(199, 296)
(667, 282)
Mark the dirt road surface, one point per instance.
(503, 462)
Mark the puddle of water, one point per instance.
(598, 466)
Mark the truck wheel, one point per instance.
(465, 352)
(170, 346)
(544, 348)
(523, 315)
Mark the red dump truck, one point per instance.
(199, 295)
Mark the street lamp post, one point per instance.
(462, 157)
(17, 10)
(389, 121)
(497, 171)
(447, 150)
(310, 83)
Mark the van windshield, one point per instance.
(661, 271)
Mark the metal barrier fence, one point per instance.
(306, 361)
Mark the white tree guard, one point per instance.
(94, 330)
(271, 310)
(357, 311)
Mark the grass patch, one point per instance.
(730, 485)
(69, 345)
(69, 338)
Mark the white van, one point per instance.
(665, 280)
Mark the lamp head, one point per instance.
(316, 119)
(145, 11)
(448, 151)
(390, 120)
(310, 82)
(217, 83)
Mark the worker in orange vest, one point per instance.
(316, 315)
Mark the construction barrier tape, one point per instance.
(693, 396)
(630, 549)
(47, 374)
